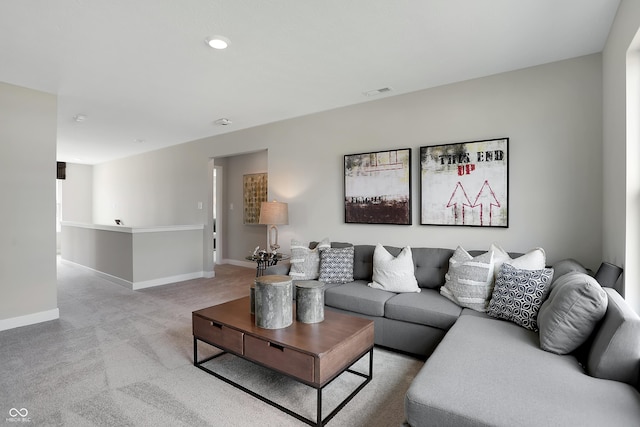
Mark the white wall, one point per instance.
(621, 202)
(27, 218)
(158, 188)
(77, 193)
(551, 113)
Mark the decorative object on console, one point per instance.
(518, 295)
(272, 214)
(575, 305)
(469, 281)
(254, 187)
(393, 274)
(305, 262)
(336, 265)
(465, 183)
(608, 274)
(377, 187)
(265, 259)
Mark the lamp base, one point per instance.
(273, 241)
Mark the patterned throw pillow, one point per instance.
(469, 281)
(518, 295)
(305, 262)
(336, 265)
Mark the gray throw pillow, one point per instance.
(336, 265)
(567, 318)
(518, 295)
(469, 281)
(565, 266)
(305, 262)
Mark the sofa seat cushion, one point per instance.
(426, 308)
(490, 372)
(357, 297)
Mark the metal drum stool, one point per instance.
(273, 301)
(309, 301)
(252, 297)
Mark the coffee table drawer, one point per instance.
(283, 359)
(217, 334)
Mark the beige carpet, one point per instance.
(118, 357)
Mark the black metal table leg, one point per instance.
(319, 421)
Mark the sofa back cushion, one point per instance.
(431, 264)
(363, 262)
(614, 353)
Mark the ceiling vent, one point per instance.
(223, 122)
(377, 92)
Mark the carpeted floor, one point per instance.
(118, 357)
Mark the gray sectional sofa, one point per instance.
(483, 371)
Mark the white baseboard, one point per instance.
(141, 284)
(29, 319)
(166, 280)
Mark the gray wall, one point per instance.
(621, 183)
(27, 221)
(552, 113)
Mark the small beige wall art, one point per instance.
(255, 192)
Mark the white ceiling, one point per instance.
(140, 69)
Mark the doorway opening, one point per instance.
(217, 213)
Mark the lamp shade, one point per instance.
(275, 213)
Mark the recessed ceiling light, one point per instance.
(138, 141)
(80, 118)
(218, 42)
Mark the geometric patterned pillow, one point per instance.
(305, 262)
(336, 265)
(518, 295)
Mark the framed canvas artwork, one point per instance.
(465, 184)
(377, 187)
(254, 193)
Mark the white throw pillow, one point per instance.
(535, 259)
(394, 274)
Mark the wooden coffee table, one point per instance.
(311, 353)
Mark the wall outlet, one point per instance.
(199, 205)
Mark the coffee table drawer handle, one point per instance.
(216, 325)
(276, 346)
